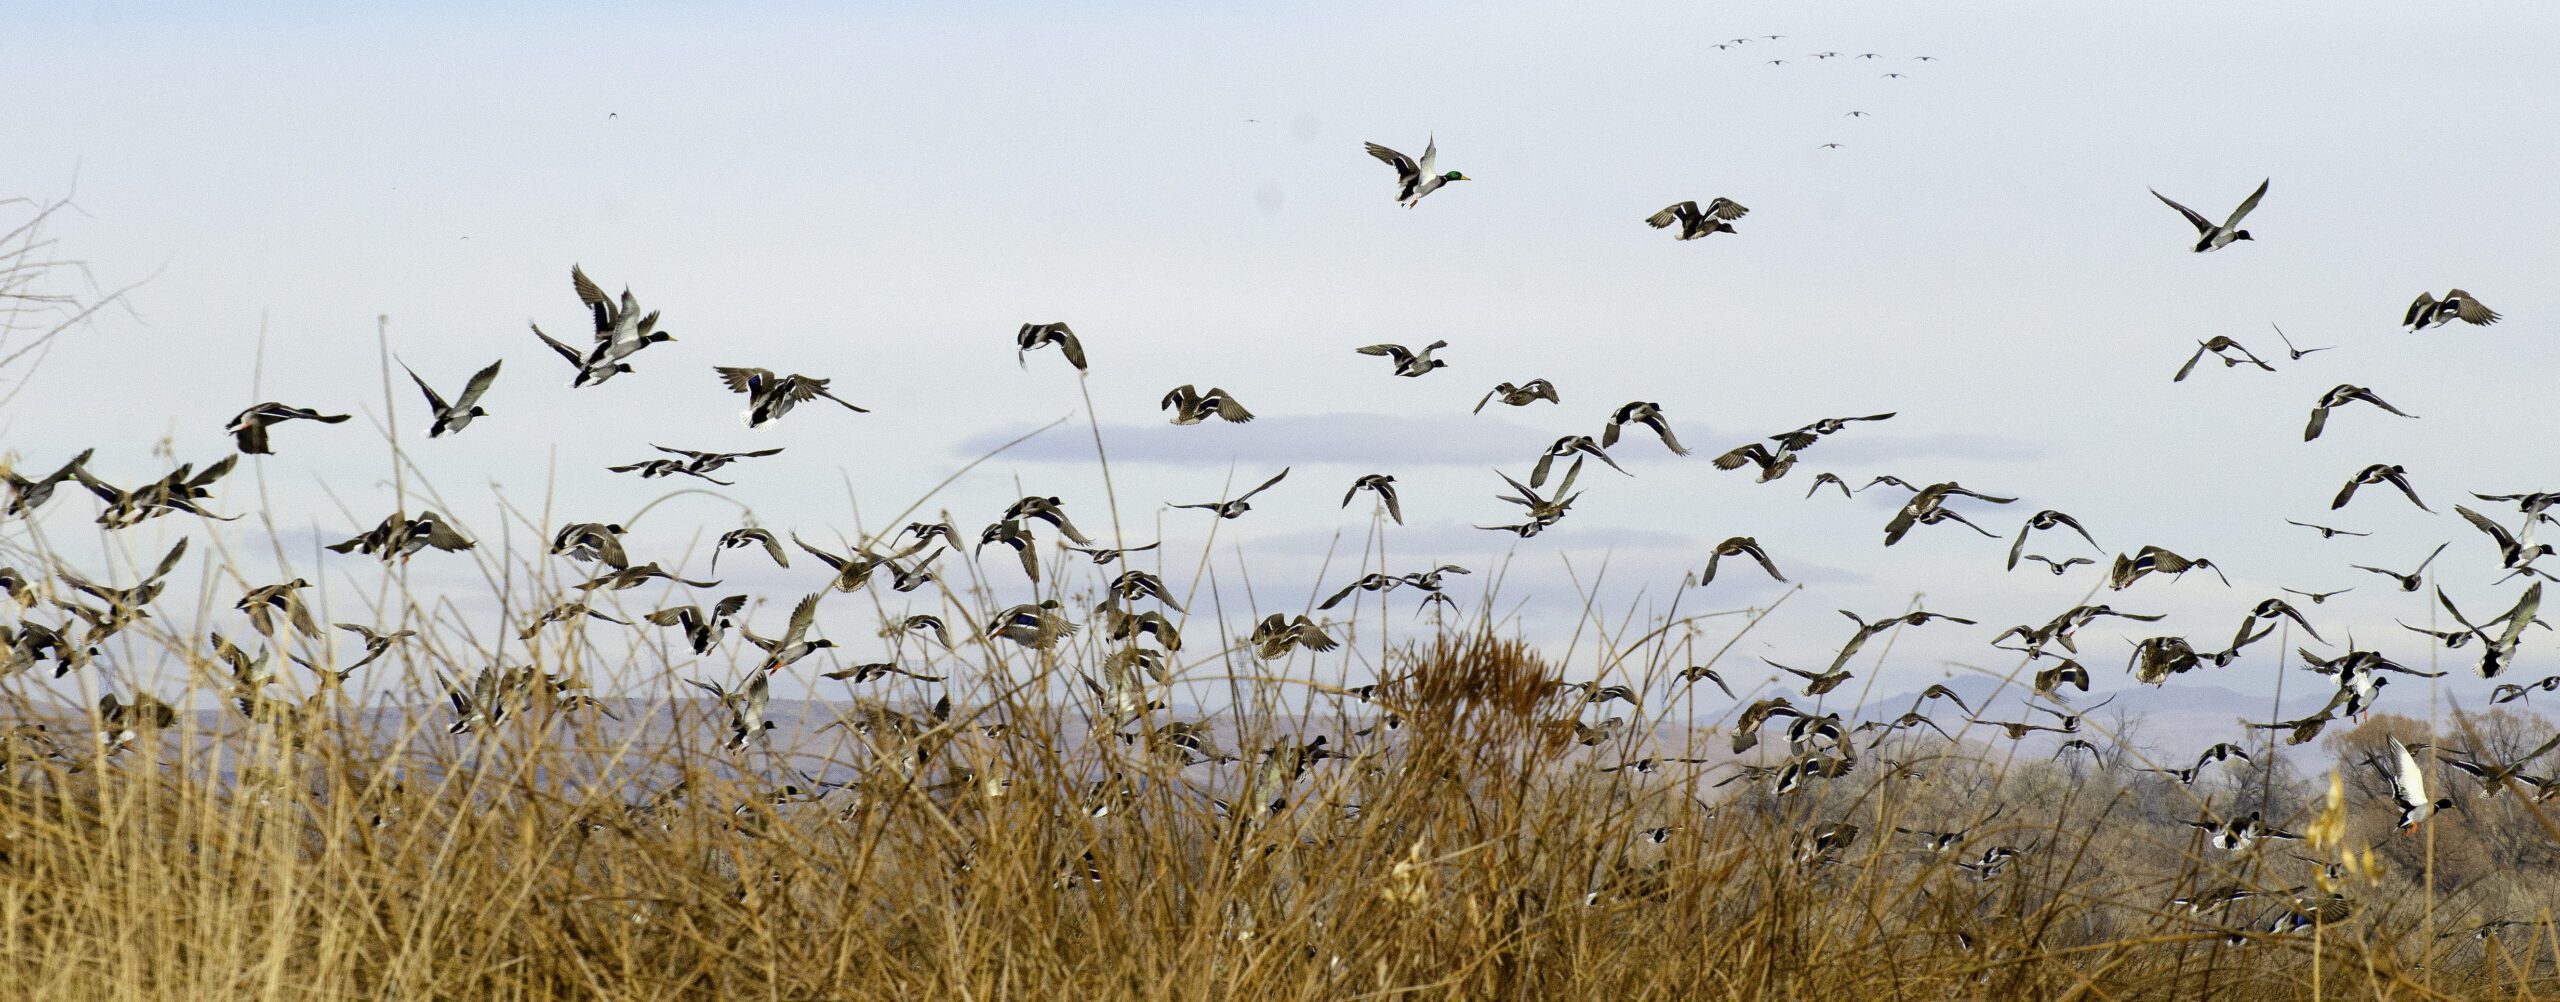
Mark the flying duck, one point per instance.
(1408, 361)
(249, 428)
(589, 373)
(2428, 311)
(746, 536)
(2411, 580)
(455, 416)
(1521, 395)
(1385, 486)
(769, 397)
(620, 328)
(1414, 180)
(2379, 473)
(1738, 546)
(2340, 396)
(2058, 567)
(2219, 346)
(2048, 519)
(1036, 626)
(1033, 337)
(1648, 414)
(2297, 353)
(2210, 237)
(794, 643)
(2409, 788)
(1277, 634)
(702, 630)
(1695, 222)
(1190, 406)
(1237, 506)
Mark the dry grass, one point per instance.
(556, 858)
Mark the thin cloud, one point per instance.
(1349, 438)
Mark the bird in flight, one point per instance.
(2210, 237)
(1414, 180)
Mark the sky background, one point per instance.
(881, 194)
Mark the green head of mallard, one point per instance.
(1455, 176)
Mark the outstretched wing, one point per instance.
(2246, 204)
(1406, 169)
(478, 385)
(2198, 221)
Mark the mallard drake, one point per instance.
(1191, 406)
(1695, 222)
(1237, 506)
(2516, 550)
(1520, 395)
(795, 642)
(2409, 788)
(2341, 396)
(589, 373)
(1036, 626)
(455, 416)
(769, 397)
(1414, 180)
(1033, 337)
(2210, 237)
(2428, 311)
(620, 328)
(1409, 362)
(248, 429)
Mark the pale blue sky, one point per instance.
(880, 194)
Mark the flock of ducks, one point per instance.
(63, 617)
